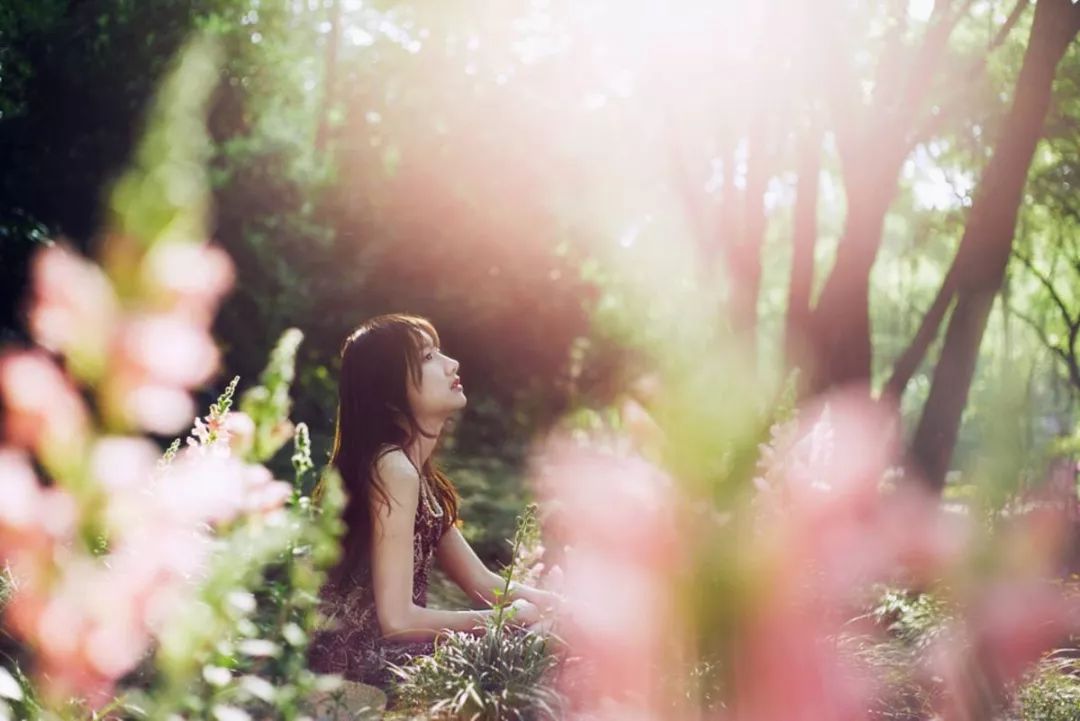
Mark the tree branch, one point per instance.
(967, 78)
(908, 362)
(842, 98)
(887, 73)
(1068, 357)
(1004, 30)
(1046, 282)
(803, 241)
(931, 52)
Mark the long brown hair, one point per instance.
(378, 359)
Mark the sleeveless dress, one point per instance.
(352, 646)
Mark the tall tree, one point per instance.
(987, 241)
(873, 138)
(803, 242)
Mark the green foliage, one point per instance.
(233, 643)
(243, 645)
(1052, 691)
(526, 536)
(913, 619)
(17, 697)
(7, 585)
(487, 677)
(909, 622)
(301, 457)
(493, 493)
(912, 622)
(269, 404)
(163, 194)
(501, 673)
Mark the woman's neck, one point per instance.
(420, 450)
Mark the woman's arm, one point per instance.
(457, 558)
(392, 560)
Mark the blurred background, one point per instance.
(873, 192)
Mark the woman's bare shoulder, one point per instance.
(395, 470)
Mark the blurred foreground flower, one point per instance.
(776, 584)
(114, 544)
(614, 510)
(42, 411)
(74, 309)
(90, 617)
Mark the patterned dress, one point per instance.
(352, 645)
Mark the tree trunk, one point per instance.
(871, 158)
(840, 323)
(991, 227)
(803, 242)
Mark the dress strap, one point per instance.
(429, 499)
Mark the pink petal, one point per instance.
(168, 350)
(19, 489)
(192, 276)
(43, 412)
(74, 305)
(119, 462)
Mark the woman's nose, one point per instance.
(454, 365)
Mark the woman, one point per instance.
(396, 392)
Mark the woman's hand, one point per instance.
(544, 626)
(525, 613)
(549, 603)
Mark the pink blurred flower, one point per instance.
(1012, 613)
(1017, 622)
(161, 409)
(123, 462)
(192, 278)
(787, 665)
(214, 489)
(42, 411)
(156, 359)
(33, 519)
(166, 349)
(615, 512)
(230, 434)
(56, 598)
(91, 619)
(19, 488)
(173, 504)
(74, 309)
(828, 516)
(827, 528)
(86, 626)
(240, 432)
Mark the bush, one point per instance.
(1052, 692)
(503, 673)
(910, 622)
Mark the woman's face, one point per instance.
(440, 392)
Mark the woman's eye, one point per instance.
(429, 356)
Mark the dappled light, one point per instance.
(551, 359)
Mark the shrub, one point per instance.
(502, 673)
(1052, 692)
